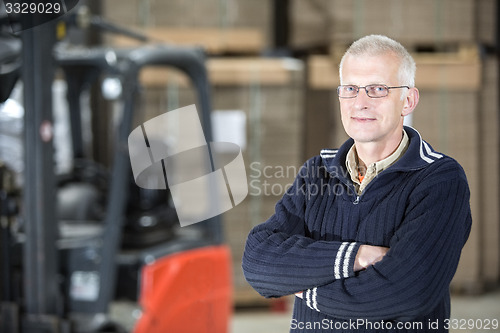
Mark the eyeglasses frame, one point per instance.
(366, 90)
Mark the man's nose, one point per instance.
(362, 100)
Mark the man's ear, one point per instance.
(410, 101)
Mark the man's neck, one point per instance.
(372, 152)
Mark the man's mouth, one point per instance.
(362, 119)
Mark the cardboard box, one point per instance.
(448, 121)
(486, 20)
(324, 22)
(191, 13)
(214, 40)
(489, 179)
(239, 26)
(224, 72)
(321, 123)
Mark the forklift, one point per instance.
(72, 244)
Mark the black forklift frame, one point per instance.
(42, 298)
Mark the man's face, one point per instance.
(367, 119)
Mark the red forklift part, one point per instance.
(187, 292)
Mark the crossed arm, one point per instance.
(368, 255)
(341, 277)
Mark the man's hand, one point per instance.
(369, 255)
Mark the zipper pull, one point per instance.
(357, 200)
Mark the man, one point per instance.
(369, 236)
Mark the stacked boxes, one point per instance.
(191, 13)
(489, 146)
(323, 22)
(236, 26)
(407, 21)
(463, 122)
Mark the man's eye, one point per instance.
(350, 88)
(378, 88)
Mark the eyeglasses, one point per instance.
(372, 90)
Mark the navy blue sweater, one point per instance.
(418, 207)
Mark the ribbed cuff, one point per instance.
(310, 298)
(343, 268)
(344, 261)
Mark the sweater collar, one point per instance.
(419, 155)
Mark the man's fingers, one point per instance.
(369, 255)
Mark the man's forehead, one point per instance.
(369, 69)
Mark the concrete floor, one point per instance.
(481, 307)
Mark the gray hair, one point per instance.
(378, 45)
